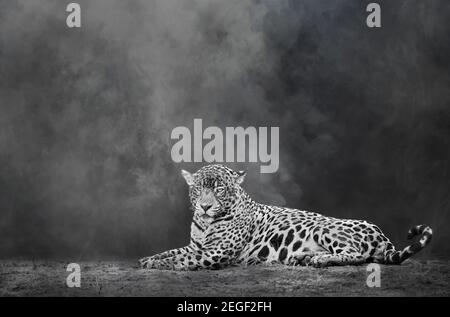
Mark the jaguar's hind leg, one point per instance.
(344, 258)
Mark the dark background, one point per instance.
(86, 116)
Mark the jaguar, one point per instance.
(230, 228)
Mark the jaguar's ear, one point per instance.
(240, 177)
(188, 177)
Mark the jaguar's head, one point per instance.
(214, 190)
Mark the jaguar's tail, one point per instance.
(391, 256)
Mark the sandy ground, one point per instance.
(108, 278)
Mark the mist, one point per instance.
(86, 116)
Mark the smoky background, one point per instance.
(86, 116)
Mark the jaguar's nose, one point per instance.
(205, 207)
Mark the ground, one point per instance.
(108, 278)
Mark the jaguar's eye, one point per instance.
(220, 190)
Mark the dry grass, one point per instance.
(46, 278)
